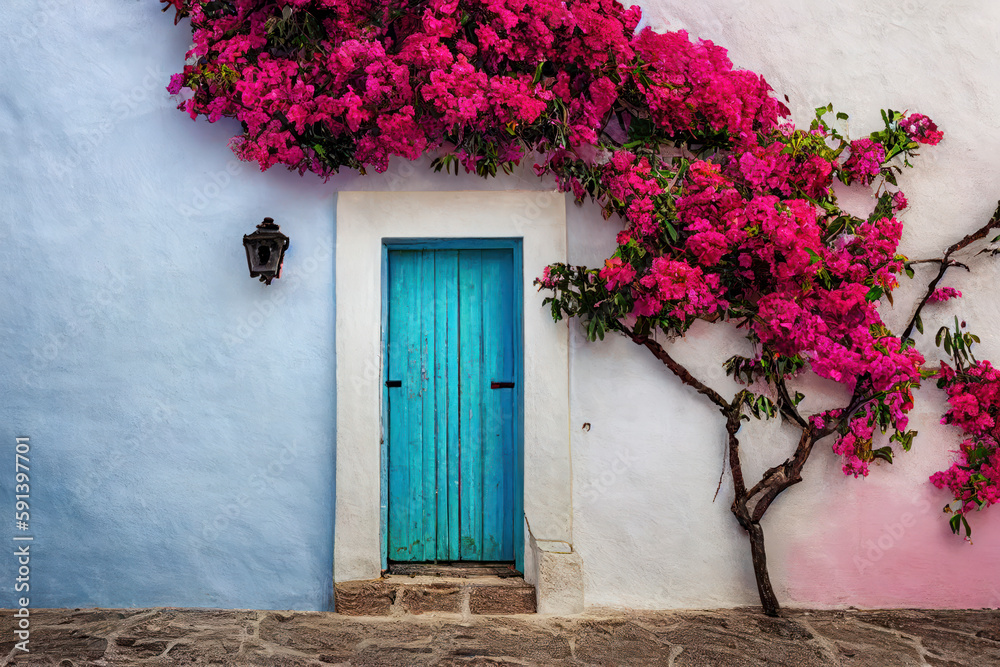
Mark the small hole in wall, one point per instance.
(586, 426)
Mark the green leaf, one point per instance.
(884, 453)
(823, 110)
(837, 226)
(919, 323)
(671, 230)
(842, 116)
(875, 293)
(957, 522)
(538, 72)
(905, 439)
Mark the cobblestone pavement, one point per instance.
(732, 638)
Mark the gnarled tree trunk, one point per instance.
(749, 506)
(767, 598)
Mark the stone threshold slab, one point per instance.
(403, 594)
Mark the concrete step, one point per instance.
(395, 594)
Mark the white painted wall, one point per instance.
(159, 397)
(363, 221)
(655, 449)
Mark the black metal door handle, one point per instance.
(394, 383)
(501, 385)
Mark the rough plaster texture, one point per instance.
(654, 451)
(558, 577)
(182, 417)
(180, 414)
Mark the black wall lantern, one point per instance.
(265, 251)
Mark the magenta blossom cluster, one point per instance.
(754, 245)
(729, 214)
(974, 397)
(921, 129)
(865, 162)
(899, 201)
(320, 84)
(943, 294)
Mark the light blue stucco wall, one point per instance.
(181, 415)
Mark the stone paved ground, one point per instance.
(732, 638)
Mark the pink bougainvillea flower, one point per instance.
(899, 201)
(176, 83)
(921, 129)
(943, 294)
(616, 273)
(747, 232)
(865, 162)
(974, 396)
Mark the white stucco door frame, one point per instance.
(364, 221)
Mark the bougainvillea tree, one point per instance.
(726, 210)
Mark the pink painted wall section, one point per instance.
(897, 552)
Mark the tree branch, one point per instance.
(858, 401)
(722, 476)
(946, 263)
(739, 507)
(779, 478)
(787, 406)
(976, 235)
(678, 370)
(931, 287)
(731, 410)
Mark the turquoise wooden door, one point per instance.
(452, 415)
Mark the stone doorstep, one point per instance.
(401, 594)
